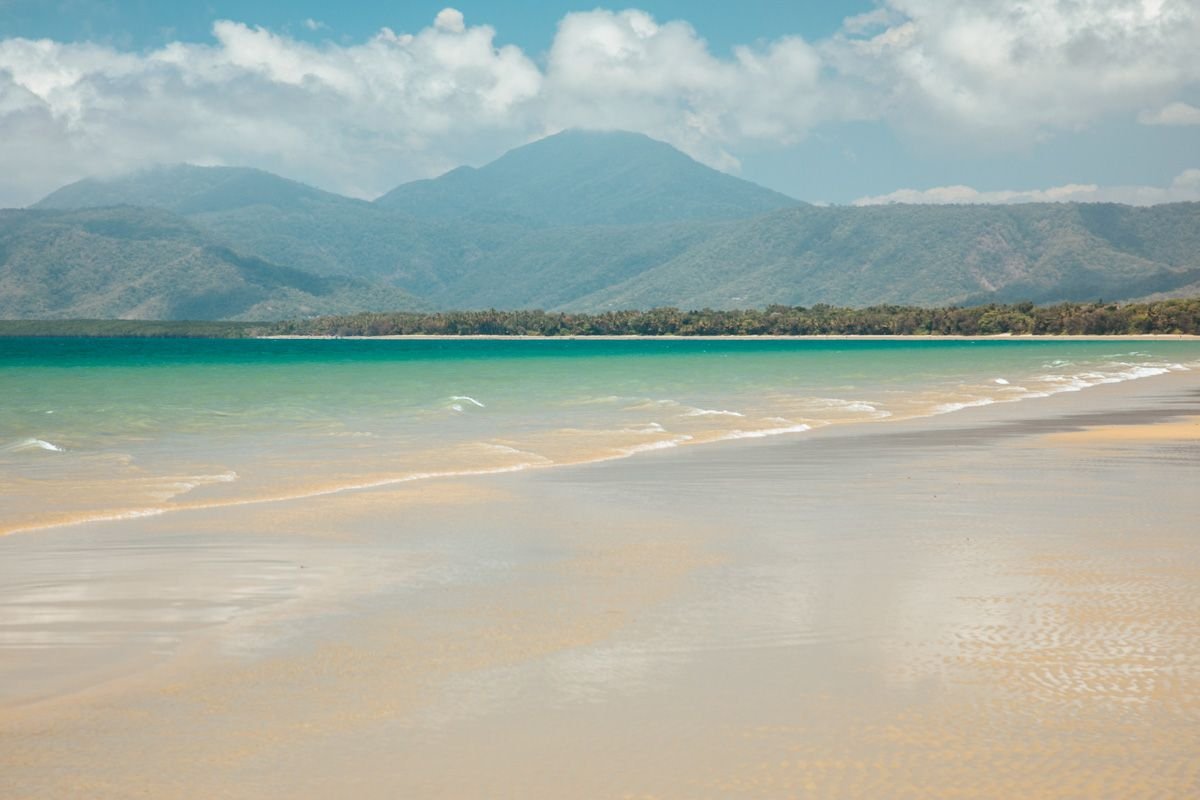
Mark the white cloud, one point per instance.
(1172, 114)
(1008, 72)
(359, 118)
(1185, 187)
(356, 118)
(626, 70)
(450, 20)
(873, 20)
(315, 25)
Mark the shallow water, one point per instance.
(121, 428)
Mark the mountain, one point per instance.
(586, 178)
(189, 189)
(926, 255)
(290, 223)
(578, 221)
(137, 263)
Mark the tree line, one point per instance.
(1086, 319)
(1163, 317)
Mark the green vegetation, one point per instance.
(586, 178)
(578, 222)
(1094, 319)
(1166, 317)
(926, 255)
(188, 189)
(139, 263)
(129, 328)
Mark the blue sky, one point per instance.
(909, 100)
(529, 24)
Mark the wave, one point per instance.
(592, 401)
(761, 434)
(650, 404)
(501, 448)
(711, 412)
(469, 400)
(196, 481)
(154, 511)
(32, 444)
(1086, 380)
(663, 444)
(649, 427)
(456, 399)
(946, 408)
(838, 404)
(1060, 383)
(508, 450)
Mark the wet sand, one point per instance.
(993, 603)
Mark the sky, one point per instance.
(856, 102)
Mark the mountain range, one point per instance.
(581, 220)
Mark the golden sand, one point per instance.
(913, 620)
(1186, 430)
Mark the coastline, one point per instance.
(282, 493)
(609, 597)
(1149, 337)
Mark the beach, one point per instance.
(997, 599)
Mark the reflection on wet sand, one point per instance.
(964, 608)
(1181, 431)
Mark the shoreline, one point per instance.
(639, 582)
(793, 433)
(1148, 337)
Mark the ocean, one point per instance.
(94, 429)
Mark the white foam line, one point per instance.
(649, 427)
(32, 444)
(471, 400)
(947, 408)
(838, 404)
(662, 444)
(156, 511)
(711, 412)
(112, 516)
(1067, 383)
(801, 428)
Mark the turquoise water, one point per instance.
(98, 428)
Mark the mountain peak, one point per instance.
(588, 177)
(187, 189)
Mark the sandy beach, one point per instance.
(998, 602)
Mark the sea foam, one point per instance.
(946, 408)
(32, 444)
(761, 434)
(712, 412)
(663, 444)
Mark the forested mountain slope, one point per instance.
(579, 221)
